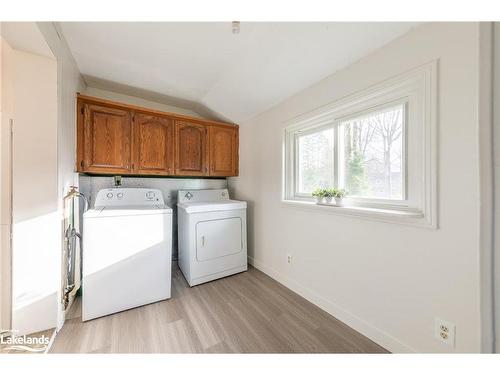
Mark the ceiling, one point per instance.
(25, 36)
(206, 66)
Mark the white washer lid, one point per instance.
(127, 211)
(191, 207)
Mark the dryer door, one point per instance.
(218, 238)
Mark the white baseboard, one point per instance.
(373, 333)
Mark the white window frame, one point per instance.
(372, 201)
(297, 135)
(417, 92)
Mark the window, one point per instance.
(379, 145)
(371, 154)
(315, 161)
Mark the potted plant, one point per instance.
(339, 195)
(318, 194)
(328, 194)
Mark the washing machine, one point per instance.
(212, 234)
(127, 251)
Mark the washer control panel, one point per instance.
(129, 197)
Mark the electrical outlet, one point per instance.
(289, 259)
(444, 331)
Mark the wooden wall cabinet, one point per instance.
(116, 138)
(153, 151)
(223, 150)
(190, 149)
(106, 139)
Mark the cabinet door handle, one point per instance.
(202, 241)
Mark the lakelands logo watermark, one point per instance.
(10, 340)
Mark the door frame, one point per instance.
(6, 137)
(495, 136)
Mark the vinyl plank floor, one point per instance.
(244, 313)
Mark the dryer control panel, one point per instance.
(114, 197)
(207, 195)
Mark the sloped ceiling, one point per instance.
(25, 36)
(205, 67)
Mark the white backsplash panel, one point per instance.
(90, 185)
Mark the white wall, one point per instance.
(36, 230)
(388, 281)
(134, 100)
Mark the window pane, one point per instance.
(315, 161)
(372, 153)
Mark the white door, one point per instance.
(218, 238)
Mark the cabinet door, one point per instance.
(153, 145)
(106, 133)
(190, 149)
(223, 145)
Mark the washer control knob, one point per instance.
(150, 194)
(119, 195)
(109, 195)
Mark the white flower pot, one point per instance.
(328, 200)
(319, 200)
(339, 202)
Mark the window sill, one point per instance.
(415, 218)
